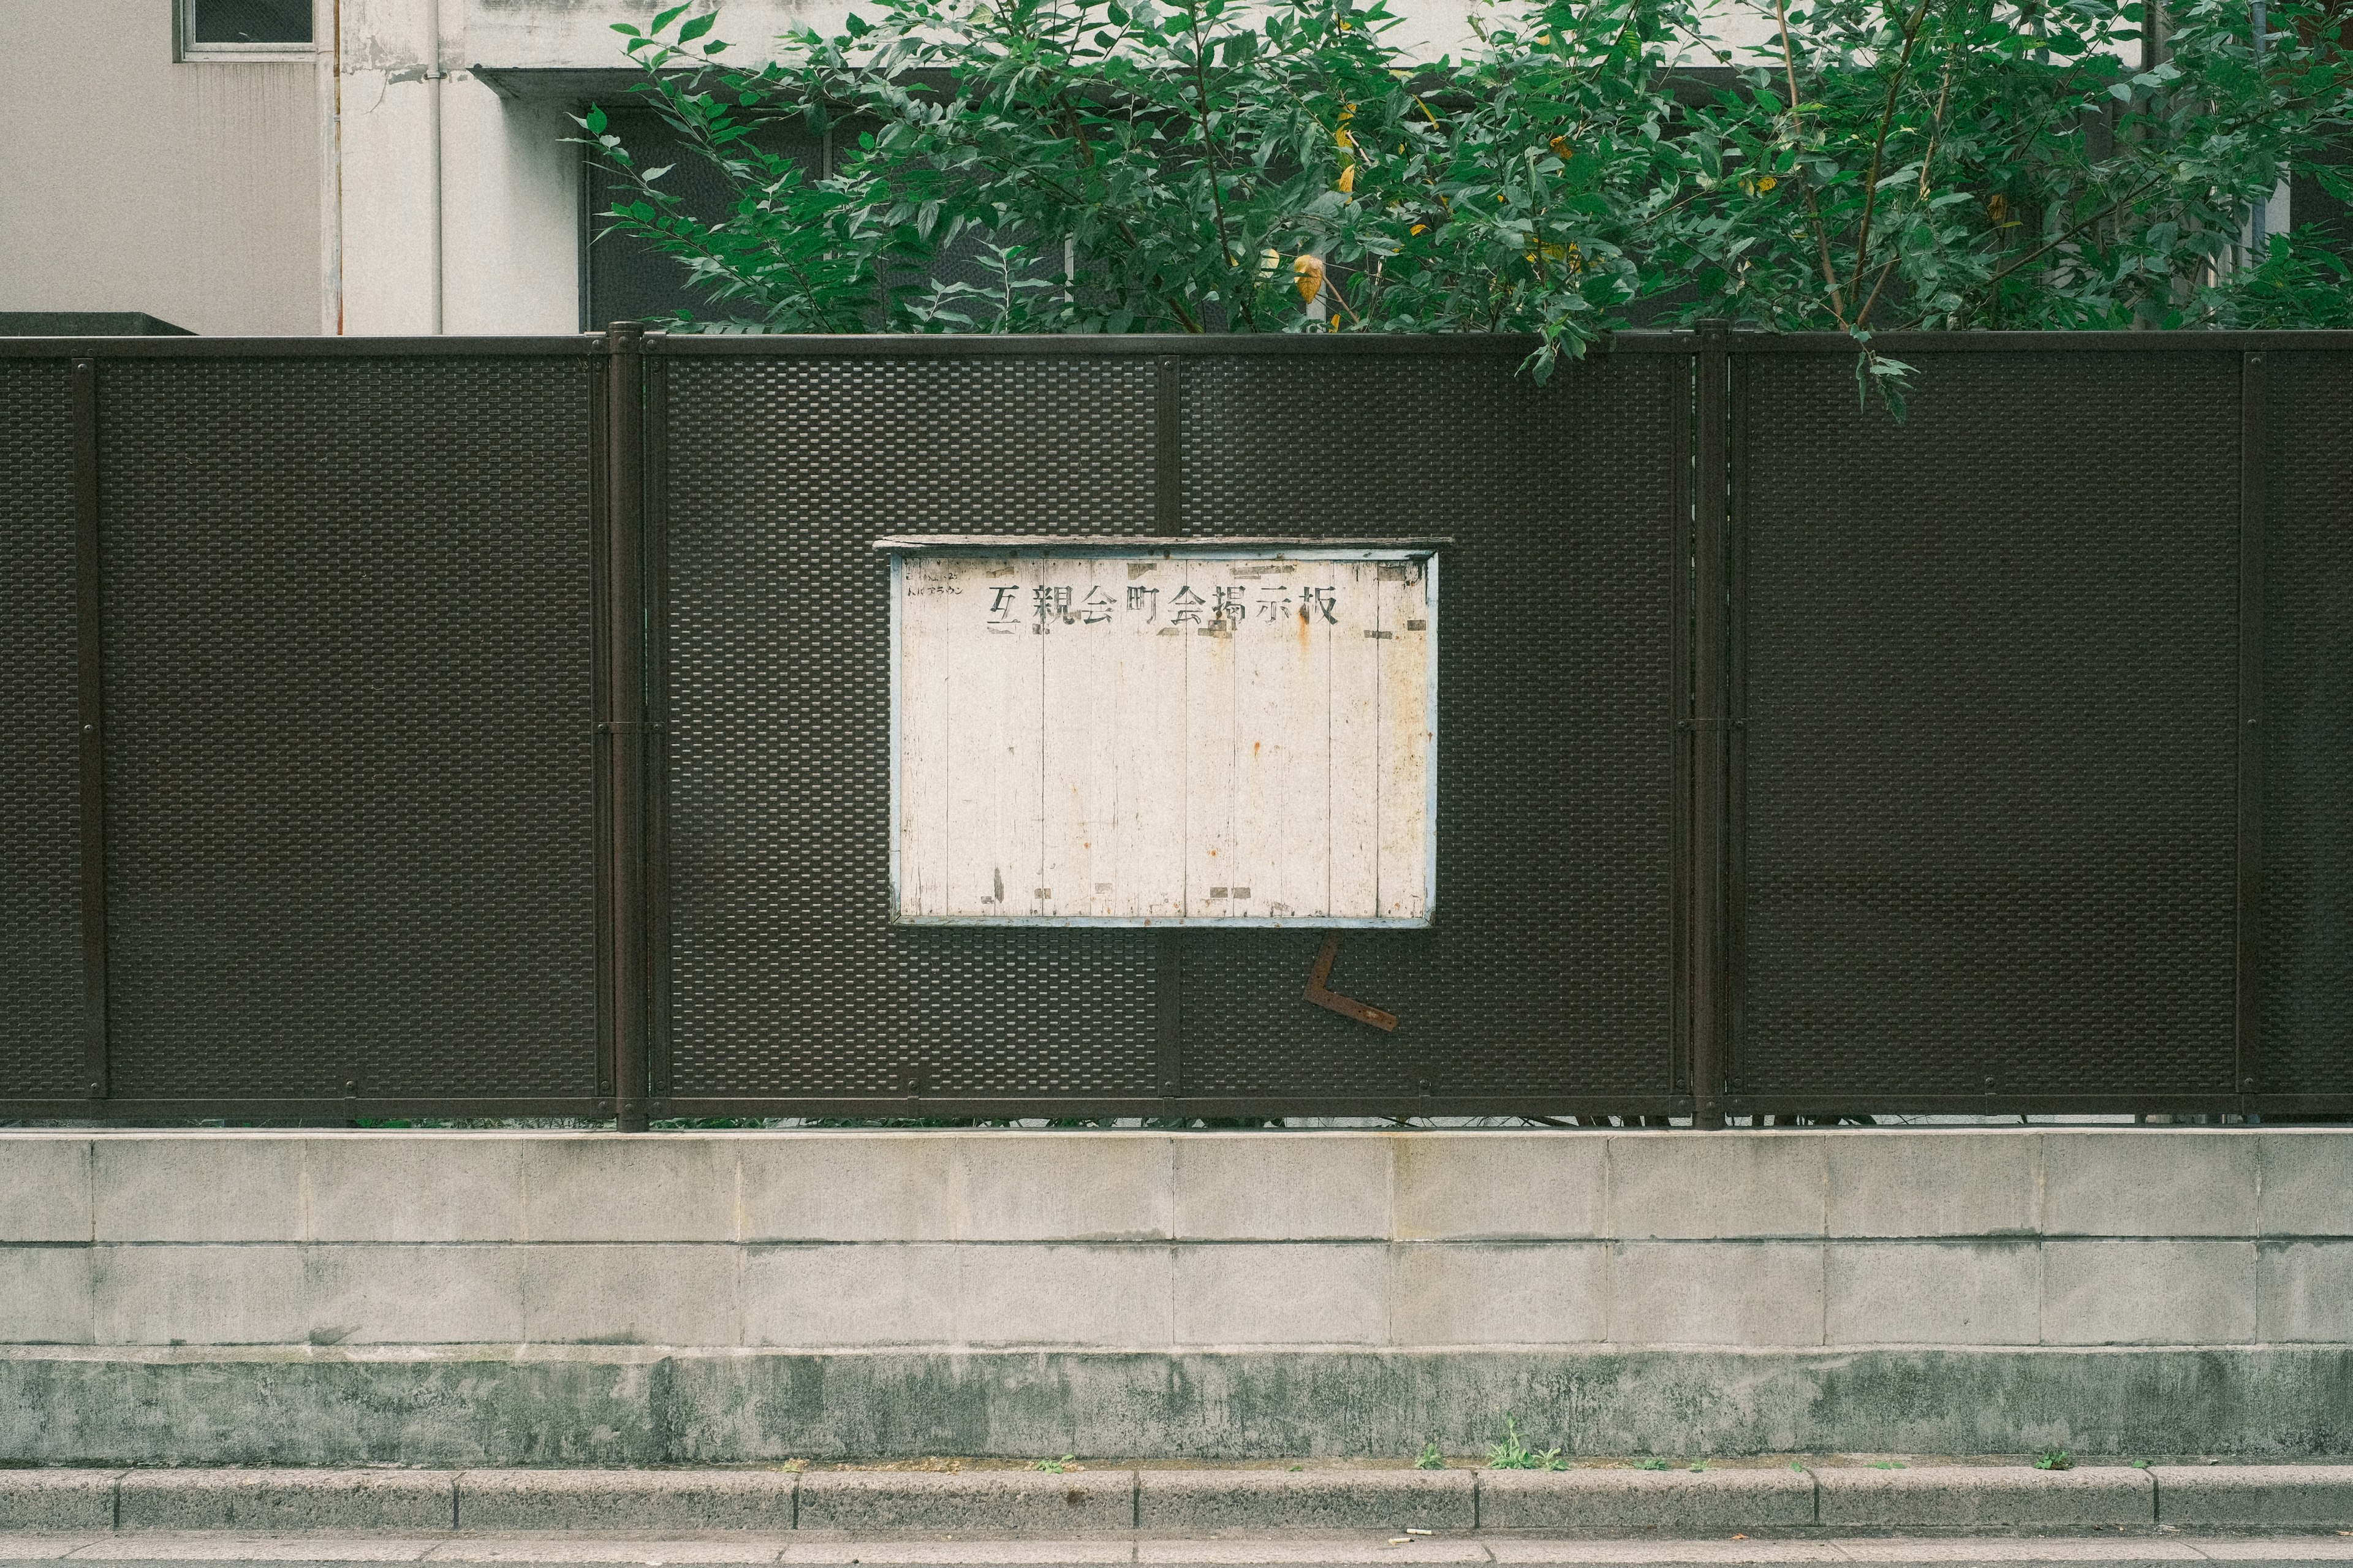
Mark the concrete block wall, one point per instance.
(759, 1255)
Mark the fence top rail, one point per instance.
(901, 345)
(929, 345)
(2184, 341)
(576, 346)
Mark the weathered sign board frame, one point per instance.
(978, 547)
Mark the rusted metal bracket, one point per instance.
(1320, 991)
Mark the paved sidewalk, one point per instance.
(128, 1550)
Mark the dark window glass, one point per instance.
(629, 280)
(248, 21)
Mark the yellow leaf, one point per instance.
(1348, 179)
(1310, 272)
(1561, 149)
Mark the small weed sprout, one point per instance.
(2054, 1460)
(1056, 1467)
(1511, 1453)
(1887, 1464)
(1652, 1464)
(1699, 1465)
(1430, 1458)
(2140, 1463)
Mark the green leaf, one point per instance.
(697, 27)
(595, 122)
(662, 19)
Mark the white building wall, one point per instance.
(460, 208)
(131, 182)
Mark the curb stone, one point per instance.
(286, 1500)
(626, 1499)
(2277, 1496)
(1980, 1497)
(971, 1500)
(1842, 1501)
(1706, 1500)
(1259, 1499)
(57, 1500)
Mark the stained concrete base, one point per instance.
(501, 1405)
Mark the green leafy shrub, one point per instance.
(1282, 165)
(1510, 1452)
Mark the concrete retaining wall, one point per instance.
(523, 1298)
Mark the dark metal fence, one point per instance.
(499, 727)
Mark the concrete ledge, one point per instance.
(57, 1500)
(1024, 1500)
(626, 1499)
(2263, 1497)
(1982, 1496)
(1691, 1500)
(286, 1500)
(1321, 1499)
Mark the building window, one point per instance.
(244, 29)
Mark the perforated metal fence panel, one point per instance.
(1550, 972)
(374, 699)
(785, 978)
(40, 777)
(2307, 720)
(1991, 731)
(347, 666)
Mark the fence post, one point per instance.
(1168, 512)
(1710, 721)
(621, 727)
(87, 605)
(2252, 444)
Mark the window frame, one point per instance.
(186, 51)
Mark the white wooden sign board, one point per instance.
(1161, 733)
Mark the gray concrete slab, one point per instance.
(1663, 1553)
(1074, 1501)
(1313, 1499)
(2256, 1497)
(246, 1546)
(1361, 1549)
(2279, 1552)
(953, 1551)
(606, 1548)
(637, 1501)
(43, 1546)
(278, 1499)
(57, 1500)
(1984, 1497)
(2113, 1549)
(1702, 1501)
